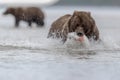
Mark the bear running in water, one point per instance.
(69, 23)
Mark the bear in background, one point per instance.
(30, 15)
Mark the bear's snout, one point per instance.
(80, 34)
(5, 13)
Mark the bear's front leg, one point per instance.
(29, 23)
(17, 22)
(40, 22)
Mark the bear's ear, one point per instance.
(75, 13)
(11, 9)
(89, 13)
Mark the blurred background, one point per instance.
(110, 3)
(27, 54)
(89, 2)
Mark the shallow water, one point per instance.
(26, 53)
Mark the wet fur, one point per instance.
(69, 23)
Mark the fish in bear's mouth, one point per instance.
(80, 37)
(77, 36)
(77, 39)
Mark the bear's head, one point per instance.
(9, 11)
(81, 19)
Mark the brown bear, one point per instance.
(30, 14)
(69, 23)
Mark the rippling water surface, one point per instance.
(26, 53)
